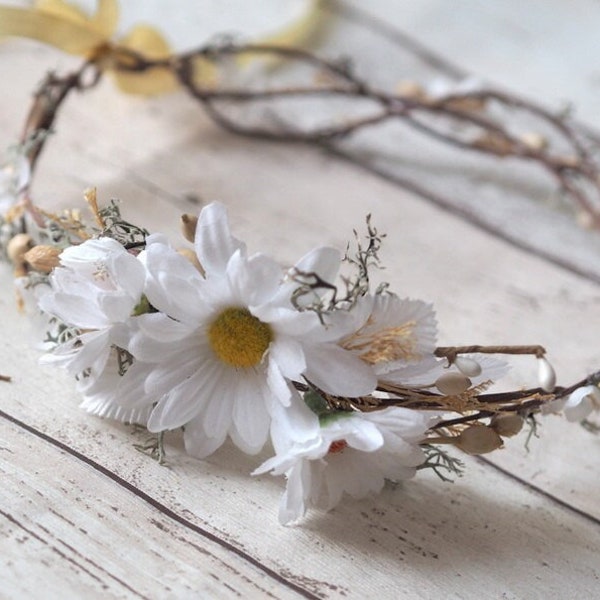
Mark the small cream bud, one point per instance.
(452, 383)
(467, 366)
(534, 140)
(586, 220)
(191, 256)
(410, 89)
(507, 425)
(188, 227)
(43, 258)
(546, 375)
(478, 439)
(17, 246)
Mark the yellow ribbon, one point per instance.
(62, 25)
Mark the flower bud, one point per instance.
(410, 89)
(478, 439)
(585, 219)
(17, 246)
(546, 375)
(43, 258)
(534, 140)
(507, 425)
(467, 366)
(188, 227)
(451, 384)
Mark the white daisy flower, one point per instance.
(227, 347)
(582, 402)
(393, 334)
(96, 293)
(397, 336)
(351, 452)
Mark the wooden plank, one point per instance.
(427, 539)
(486, 500)
(460, 535)
(91, 538)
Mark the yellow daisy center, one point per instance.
(238, 338)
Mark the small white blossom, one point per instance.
(354, 452)
(94, 294)
(397, 336)
(393, 334)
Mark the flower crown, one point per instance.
(344, 383)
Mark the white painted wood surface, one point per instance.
(82, 514)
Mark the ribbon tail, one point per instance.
(68, 36)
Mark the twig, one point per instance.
(442, 118)
(451, 352)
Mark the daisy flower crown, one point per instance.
(344, 384)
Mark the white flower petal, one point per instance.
(104, 406)
(165, 377)
(423, 372)
(324, 262)
(580, 403)
(290, 322)
(197, 442)
(292, 505)
(130, 390)
(117, 307)
(84, 258)
(173, 285)
(253, 281)
(219, 410)
(250, 419)
(162, 328)
(365, 436)
(82, 353)
(295, 423)
(580, 411)
(214, 243)
(185, 401)
(279, 387)
(150, 349)
(288, 355)
(131, 275)
(338, 372)
(79, 311)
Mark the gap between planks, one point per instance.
(159, 506)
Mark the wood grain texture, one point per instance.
(82, 514)
(86, 534)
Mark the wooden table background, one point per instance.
(83, 515)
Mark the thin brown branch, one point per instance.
(451, 352)
(439, 119)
